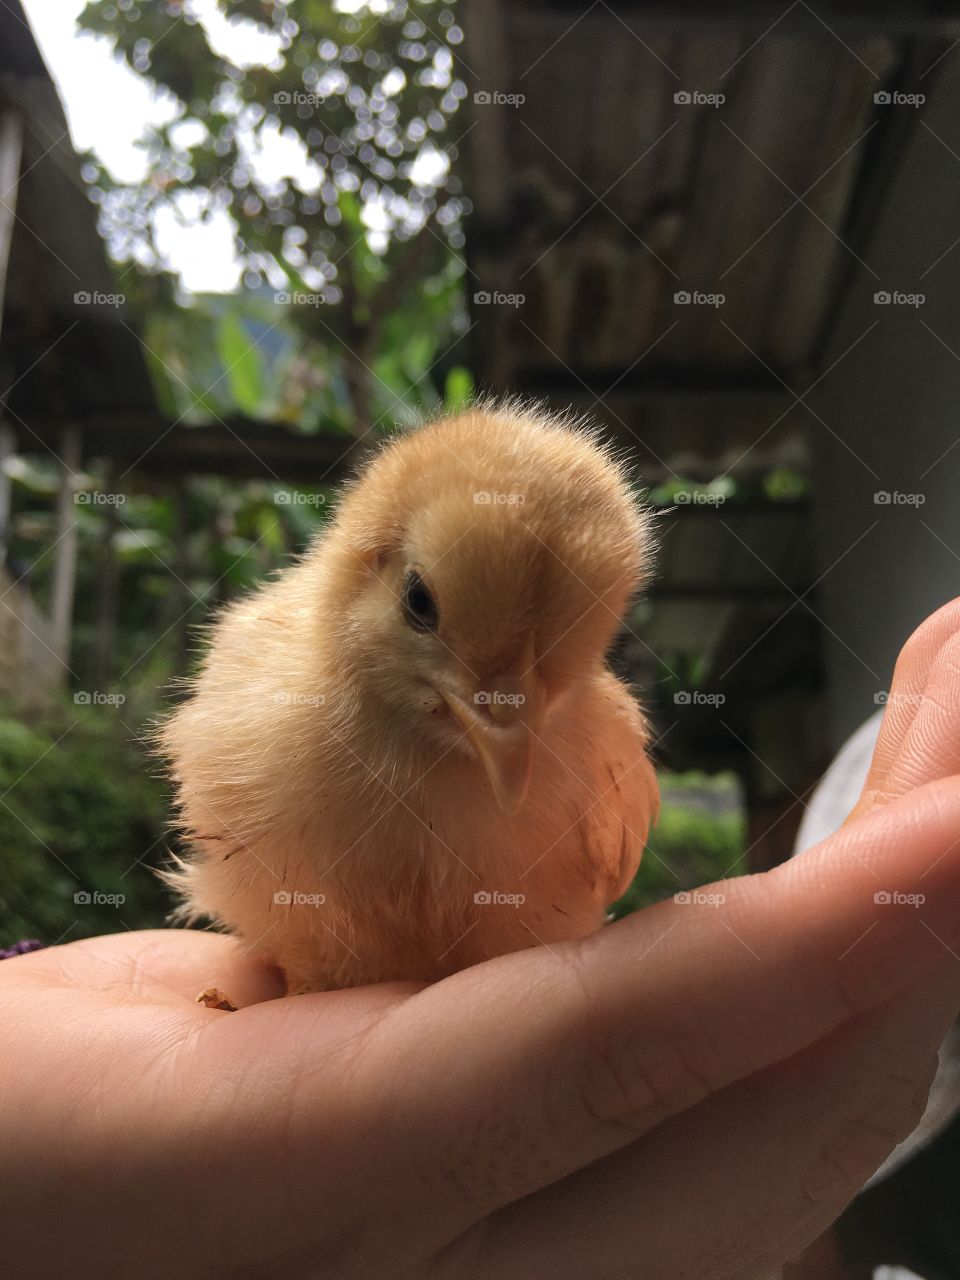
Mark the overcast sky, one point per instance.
(108, 105)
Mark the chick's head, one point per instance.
(487, 560)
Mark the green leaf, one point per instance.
(38, 476)
(139, 543)
(350, 212)
(458, 389)
(242, 364)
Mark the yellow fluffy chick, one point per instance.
(406, 754)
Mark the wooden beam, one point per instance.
(691, 433)
(891, 17)
(696, 434)
(151, 446)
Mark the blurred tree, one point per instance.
(320, 133)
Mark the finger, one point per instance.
(931, 746)
(742, 1183)
(152, 964)
(543, 1062)
(915, 666)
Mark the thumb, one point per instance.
(918, 741)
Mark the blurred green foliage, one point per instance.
(700, 837)
(221, 355)
(82, 812)
(180, 554)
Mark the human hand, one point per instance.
(694, 1092)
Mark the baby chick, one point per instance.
(405, 754)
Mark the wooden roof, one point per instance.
(602, 189)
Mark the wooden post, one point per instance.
(104, 644)
(180, 594)
(65, 563)
(11, 150)
(7, 443)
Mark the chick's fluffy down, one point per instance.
(340, 816)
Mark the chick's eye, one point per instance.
(419, 606)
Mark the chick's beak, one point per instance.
(502, 725)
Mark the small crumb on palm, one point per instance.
(214, 998)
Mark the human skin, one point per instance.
(693, 1094)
